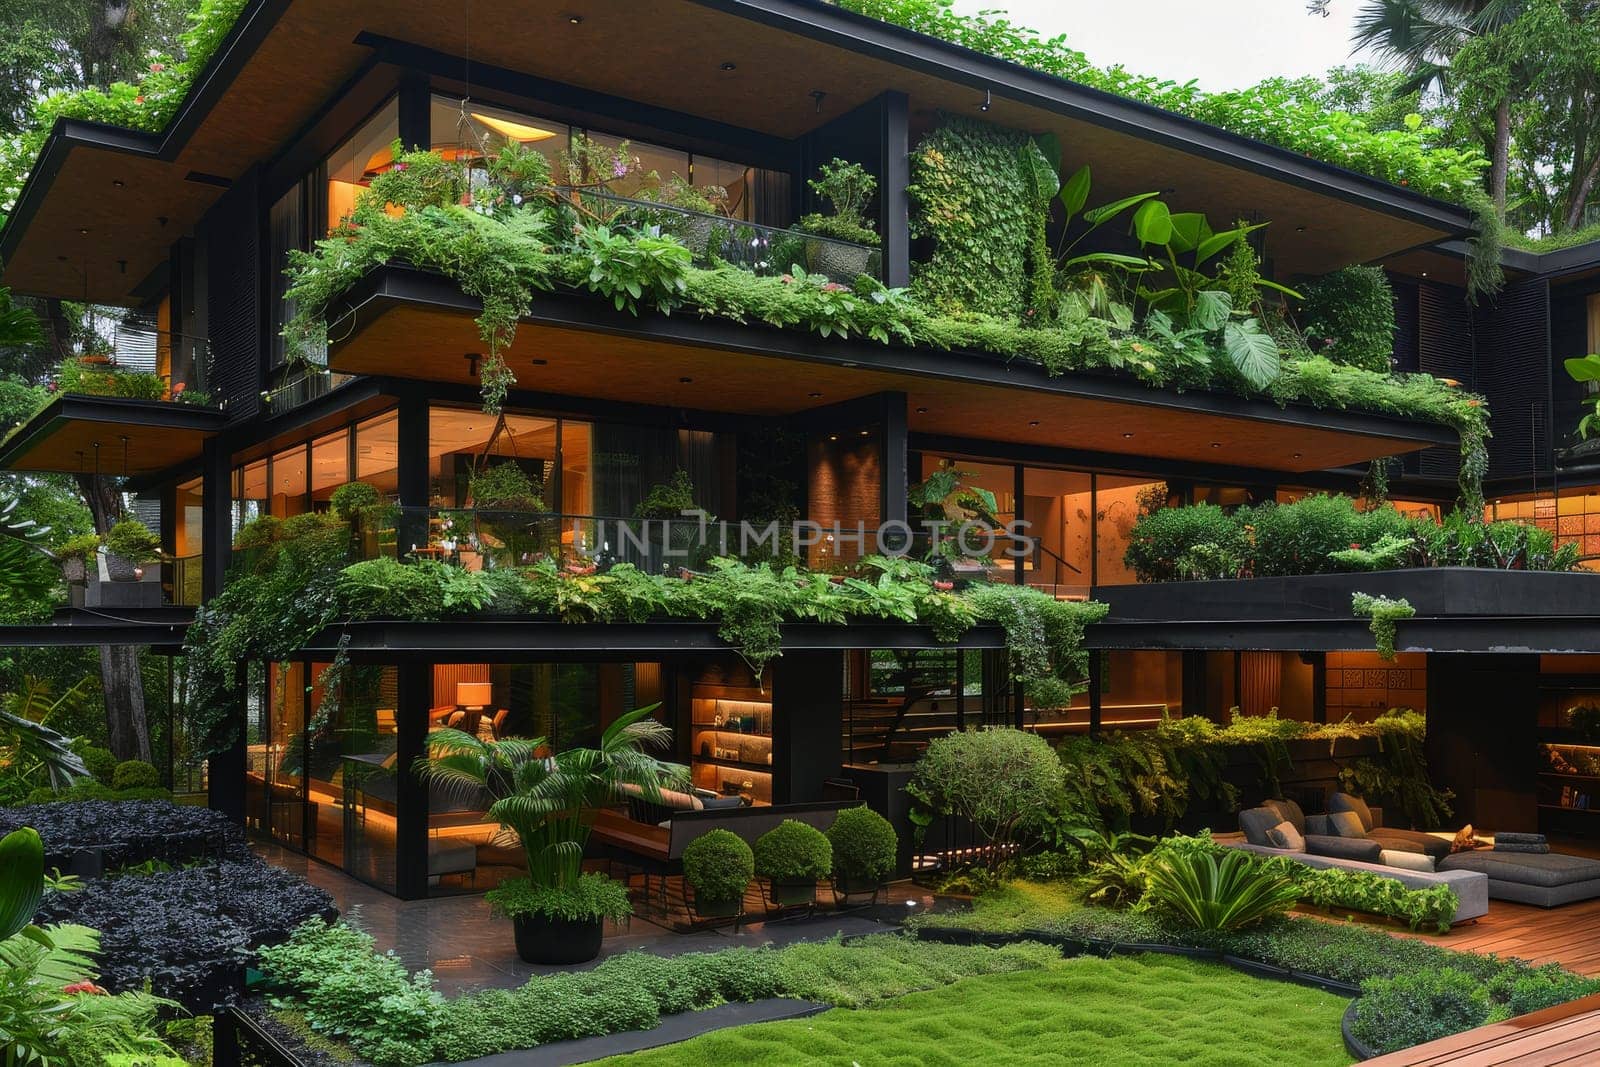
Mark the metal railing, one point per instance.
(717, 239)
(134, 360)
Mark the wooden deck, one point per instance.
(1565, 1034)
(1568, 935)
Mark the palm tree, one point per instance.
(549, 801)
(1423, 36)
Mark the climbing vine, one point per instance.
(971, 195)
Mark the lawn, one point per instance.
(1125, 1010)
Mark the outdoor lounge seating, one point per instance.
(1390, 838)
(1546, 879)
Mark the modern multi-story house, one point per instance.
(193, 226)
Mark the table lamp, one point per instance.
(474, 696)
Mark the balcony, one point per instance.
(135, 402)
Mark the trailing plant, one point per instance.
(719, 866)
(1384, 613)
(1044, 638)
(1349, 316)
(793, 851)
(1337, 890)
(1397, 777)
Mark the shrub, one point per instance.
(347, 990)
(99, 761)
(1208, 893)
(354, 498)
(1396, 1013)
(793, 852)
(719, 866)
(864, 846)
(133, 541)
(1003, 781)
(384, 588)
(129, 832)
(593, 896)
(1542, 987)
(1186, 544)
(1298, 538)
(1349, 317)
(1335, 889)
(135, 774)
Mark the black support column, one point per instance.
(895, 205)
(216, 532)
(411, 798)
(412, 473)
(807, 724)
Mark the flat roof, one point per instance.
(109, 435)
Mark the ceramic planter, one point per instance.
(74, 569)
(541, 939)
(839, 261)
(121, 568)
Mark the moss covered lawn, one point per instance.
(1147, 1009)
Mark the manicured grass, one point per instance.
(1125, 1010)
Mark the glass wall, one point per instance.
(1572, 516)
(352, 166)
(1059, 509)
(377, 458)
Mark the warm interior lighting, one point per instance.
(474, 694)
(517, 131)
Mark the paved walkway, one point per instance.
(468, 949)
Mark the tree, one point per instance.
(1424, 37)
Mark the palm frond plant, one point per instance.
(549, 802)
(28, 747)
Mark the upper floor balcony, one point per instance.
(134, 399)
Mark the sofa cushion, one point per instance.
(1346, 824)
(1345, 848)
(1411, 841)
(1409, 861)
(1285, 836)
(1345, 802)
(1539, 869)
(1288, 811)
(1255, 822)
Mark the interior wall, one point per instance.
(1361, 686)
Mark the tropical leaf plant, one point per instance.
(1252, 351)
(1585, 369)
(549, 801)
(28, 746)
(1208, 892)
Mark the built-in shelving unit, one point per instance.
(1568, 779)
(731, 752)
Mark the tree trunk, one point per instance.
(1501, 158)
(120, 680)
(1580, 195)
(124, 692)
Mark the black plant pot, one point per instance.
(853, 890)
(544, 940)
(793, 894)
(718, 909)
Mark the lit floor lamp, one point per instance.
(473, 697)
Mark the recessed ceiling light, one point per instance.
(865, 433)
(118, 183)
(1297, 455)
(833, 437)
(575, 19)
(814, 396)
(922, 411)
(1424, 274)
(1216, 444)
(84, 232)
(1127, 436)
(730, 65)
(1299, 229)
(1033, 422)
(685, 381)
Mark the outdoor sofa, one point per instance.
(1547, 879)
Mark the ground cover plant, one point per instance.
(330, 977)
(128, 832)
(1132, 1010)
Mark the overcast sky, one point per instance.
(1225, 44)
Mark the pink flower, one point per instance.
(157, 68)
(139, 99)
(1355, 544)
(787, 279)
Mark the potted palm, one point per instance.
(718, 867)
(130, 544)
(848, 188)
(793, 857)
(864, 846)
(557, 911)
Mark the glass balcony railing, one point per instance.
(135, 360)
(716, 239)
(302, 387)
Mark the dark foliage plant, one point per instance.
(128, 832)
(187, 931)
(1349, 316)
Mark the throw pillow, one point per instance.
(1346, 824)
(1465, 840)
(1284, 835)
(1406, 861)
(1346, 802)
(1288, 811)
(1255, 822)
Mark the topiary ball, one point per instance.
(99, 761)
(719, 866)
(135, 774)
(864, 846)
(793, 852)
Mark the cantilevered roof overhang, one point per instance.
(109, 435)
(1459, 609)
(400, 322)
(162, 629)
(490, 639)
(101, 209)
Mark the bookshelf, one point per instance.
(731, 751)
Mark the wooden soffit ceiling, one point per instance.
(431, 343)
(666, 53)
(105, 435)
